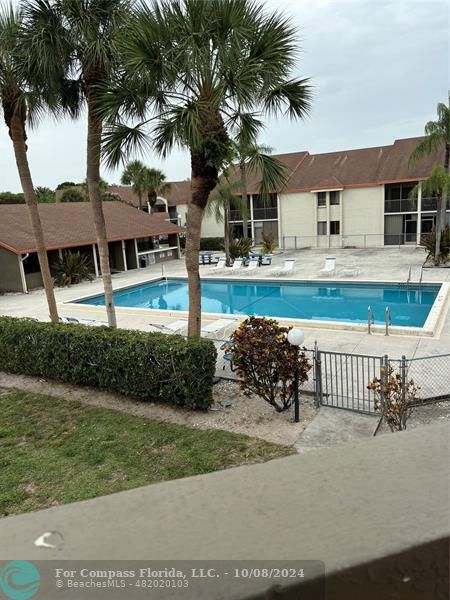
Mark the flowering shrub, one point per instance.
(266, 361)
(394, 398)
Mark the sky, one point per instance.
(378, 68)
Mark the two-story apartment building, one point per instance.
(336, 199)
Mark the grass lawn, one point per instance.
(54, 451)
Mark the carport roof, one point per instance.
(69, 225)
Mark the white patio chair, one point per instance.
(177, 326)
(329, 267)
(88, 322)
(219, 266)
(287, 268)
(219, 326)
(237, 265)
(253, 267)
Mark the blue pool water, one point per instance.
(345, 302)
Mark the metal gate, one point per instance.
(341, 379)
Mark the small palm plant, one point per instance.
(269, 245)
(72, 268)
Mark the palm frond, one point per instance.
(120, 141)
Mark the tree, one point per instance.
(21, 103)
(75, 41)
(66, 184)
(73, 195)
(437, 134)
(266, 362)
(155, 185)
(11, 198)
(437, 185)
(192, 67)
(134, 175)
(45, 194)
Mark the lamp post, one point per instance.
(296, 337)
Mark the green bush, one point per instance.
(74, 267)
(148, 366)
(212, 243)
(240, 248)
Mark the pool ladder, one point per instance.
(371, 320)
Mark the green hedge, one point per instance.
(149, 366)
(212, 243)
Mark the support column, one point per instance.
(136, 250)
(124, 254)
(20, 258)
(419, 215)
(252, 224)
(327, 194)
(94, 252)
(279, 219)
(341, 214)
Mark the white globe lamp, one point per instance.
(296, 337)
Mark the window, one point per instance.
(335, 227)
(321, 228)
(335, 198)
(321, 198)
(397, 198)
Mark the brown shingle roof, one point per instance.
(396, 167)
(179, 193)
(362, 167)
(71, 224)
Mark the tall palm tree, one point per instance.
(77, 40)
(193, 67)
(155, 185)
(437, 135)
(19, 104)
(134, 175)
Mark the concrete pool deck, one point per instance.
(383, 264)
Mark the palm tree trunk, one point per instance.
(152, 198)
(18, 137)
(93, 180)
(226, 231)
(194, 219)
(244, 199)
(203, 181)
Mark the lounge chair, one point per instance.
(266, 259)
(253, 266)
(237, 265)
(286, 269)
(88, 322)
(218, 326)
(174, 327)
(350, 270)
(329, 266)
(220, 265)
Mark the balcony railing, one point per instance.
(265, 213)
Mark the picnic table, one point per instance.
(206, 258)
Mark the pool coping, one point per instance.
(431, 328)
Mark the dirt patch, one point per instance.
(231, 411)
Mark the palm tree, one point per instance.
(437, 134)
(437, 185)
(76, 40)
(134, 175)
(192, 68)
(155, 185)
(19, 104)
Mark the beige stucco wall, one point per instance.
(10, 279)
(297, 215)
(363, 213)
(210, 227)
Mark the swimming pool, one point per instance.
(316, 301)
